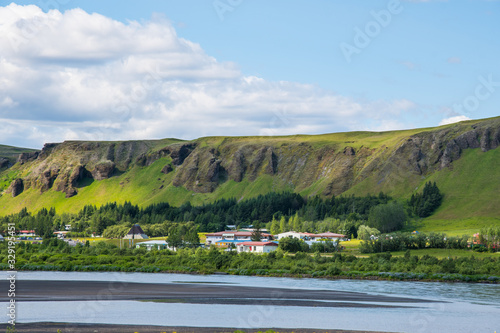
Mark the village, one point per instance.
(247, 239)
(242, 240)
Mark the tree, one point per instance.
(292, 244)
(387, 218)
(275, 226)
(116, 231)
(283, 224)
(174, 239)
(256, 234)
(192, 239)
(425, 203)
(365, 232)
(324, 246)
(295, 223)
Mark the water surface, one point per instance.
(461, 307)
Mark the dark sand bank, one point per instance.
(97, 328)
(33, 290)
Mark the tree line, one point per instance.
(407, 241)
(55, 254)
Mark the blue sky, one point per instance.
(240, 67)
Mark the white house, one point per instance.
(154, 245)
(212, 238)
(61, 234)
(257, 247)
(294, 234)
(326, 236)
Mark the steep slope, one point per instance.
(71, 174)
(10, 155)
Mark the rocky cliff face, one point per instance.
(328, 164)
(63, 166)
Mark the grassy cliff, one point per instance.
(462, 158)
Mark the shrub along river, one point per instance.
(253, 302)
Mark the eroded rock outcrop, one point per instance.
(27, 157)
(167, 169)
(16, 187)
(4, 163)
(200, 172)
(71, 180)
(325, 166)
(103, 170)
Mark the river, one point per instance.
(450, 307)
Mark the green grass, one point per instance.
(445, 253)
(352, 247)
(9, 151)
(454, 227)
(7, 178)
(472, 187)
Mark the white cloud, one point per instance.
(75, 75)
(452, 120)
(7, 102)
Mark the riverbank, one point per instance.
(351, 275)
(102, 328)
(196, 293)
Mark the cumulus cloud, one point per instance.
(76, 75)
(452, 120)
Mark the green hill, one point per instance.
(9, 155)
(462, 158)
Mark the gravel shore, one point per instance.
(96, 328)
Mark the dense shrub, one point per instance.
(105, 257)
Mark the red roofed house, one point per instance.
(256, 247)
(233, 235)
(27, 233)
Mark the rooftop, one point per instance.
(258, 244)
